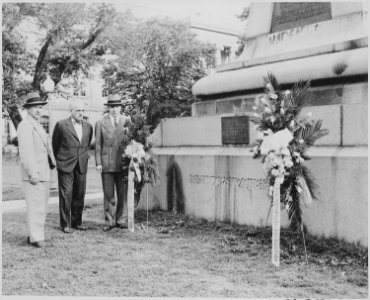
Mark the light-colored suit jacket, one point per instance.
(110, 143)
(34, 149)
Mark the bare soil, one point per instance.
(176, 256)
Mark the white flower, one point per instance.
(272, 118)
(288, 163)
(267, 110)
(282, 111)
(269, 86)
(271, 190)
(287, 207)
(271, 155)
(276, 141)
(263, 100)
(268, 132)
(260, 135)
(296, 154)
(285, 151)
(274, 172)
(273, 96)
(299, 189)
(291, 125)
(287, 92)
(301, 141)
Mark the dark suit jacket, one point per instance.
(110, 143)
(67, 148)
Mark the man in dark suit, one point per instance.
(71, 140)
(110, 143)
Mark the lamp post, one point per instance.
(48, 86)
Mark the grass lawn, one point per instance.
(178, 256)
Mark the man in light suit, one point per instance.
(110, 142)
(37, 160)
(71, 140)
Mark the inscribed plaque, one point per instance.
(288, 15)
(235, 130)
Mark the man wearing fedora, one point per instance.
(37, 160)
(71, 141)
(110, 142)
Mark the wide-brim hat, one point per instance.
(113, 100)
(33, 99)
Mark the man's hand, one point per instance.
(34, 180)
(99, 168)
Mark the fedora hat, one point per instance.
(113, 100)
(32, 99)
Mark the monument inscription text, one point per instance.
(288, 15)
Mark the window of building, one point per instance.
(44, 121)
(7, 131)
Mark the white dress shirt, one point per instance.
(78, 128)
(112, 119)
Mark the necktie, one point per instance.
(115, 122)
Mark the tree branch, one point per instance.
(39, 63)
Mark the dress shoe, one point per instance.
(122, 225)
(67, 230)
(108, 228)
(79, 227)
(38, 244)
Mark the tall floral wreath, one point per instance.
(283, 139)
(137, 154)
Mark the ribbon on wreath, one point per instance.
(276, 222)
(136, 151)
(274, 143)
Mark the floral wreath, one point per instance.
(283, 139)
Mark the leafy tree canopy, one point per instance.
(70, 39)
(157, 61)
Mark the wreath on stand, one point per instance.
(282, 141)
(137, 153)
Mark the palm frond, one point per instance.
(312, 132)
(273, 81)
(298, 97)
(310, 181)
(294, 210)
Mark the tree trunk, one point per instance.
(15, 116)
(39, 63)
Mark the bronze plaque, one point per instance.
(288, 15)
(235, 130)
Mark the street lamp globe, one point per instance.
(48, 84)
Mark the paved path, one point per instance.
(20, 205)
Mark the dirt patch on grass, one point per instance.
(176, 255)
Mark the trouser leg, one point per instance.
(110, 204)
(65, 186)
(121, 188)
(37, 197)
(78, 196)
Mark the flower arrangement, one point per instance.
(137, 155)
(283, 139)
